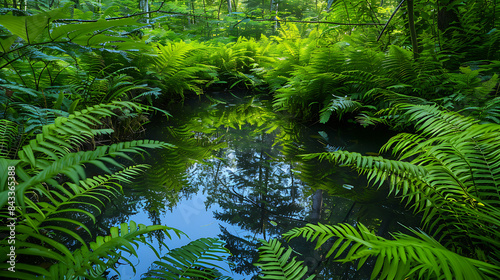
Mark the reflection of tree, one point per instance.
(243, 251)
(257, 190)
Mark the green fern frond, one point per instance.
(339, 105)
(70, 165)
(490, 111)
(435, 122)
(403, 257)
(84, 262)
(452, 176)
(196, 260)
(68, 198)
(176, 66)
(275, 264)
(400, 64)
(66, 133)
(9, 132)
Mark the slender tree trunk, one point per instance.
(14, 4)
(229, 8)
(411, 25)
(218, 13)
(144, 6)
(317, 206)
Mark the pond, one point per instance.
(236, 174)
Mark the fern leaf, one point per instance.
(275, 264)
(403, 257)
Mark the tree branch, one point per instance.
(327, 22)
(113, 18)
(387, 23)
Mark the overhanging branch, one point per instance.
(326, 22)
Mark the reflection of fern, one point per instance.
(196, 260)
(275, 264)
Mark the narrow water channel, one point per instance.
(236, 174)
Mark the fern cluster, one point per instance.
(54, 196)
(448, 172)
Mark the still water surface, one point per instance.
(235, 174)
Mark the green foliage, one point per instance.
(405, 256)
(40, 30)
(275, 264)
(9, 132)
(340, 105)
(84, 262)
(448, 172)
(46, 203)
(177, 67)
(55, 62)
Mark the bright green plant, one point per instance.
(53, 196)
(449, 173)
(275, 264)
(40, 29)
(405, 256)
(178, 69)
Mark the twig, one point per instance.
(387, 23)
(327, 22)
(113, 18)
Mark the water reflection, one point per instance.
(245, 160)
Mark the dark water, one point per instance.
(236, 174)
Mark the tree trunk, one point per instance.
(317, 206)
(447, 17)
(144, 6)
(229, 8)
(411, 26)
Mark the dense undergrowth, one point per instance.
(76, 89)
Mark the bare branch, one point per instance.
(387, 23)
(327, 22)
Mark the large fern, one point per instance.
(406, 256)
(52, 189)
(449, 172)
(84, 262)
(178, 68)
(9, 133)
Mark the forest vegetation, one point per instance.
(80, 79)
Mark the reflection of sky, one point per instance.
(188, 216)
